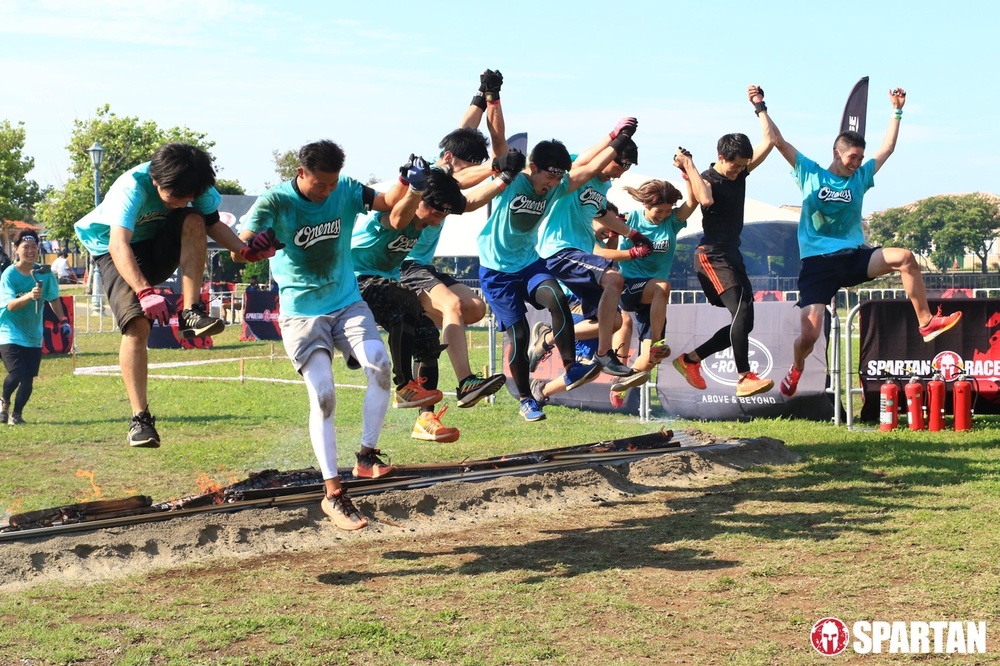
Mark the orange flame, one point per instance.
(94, 488)
(207, 485)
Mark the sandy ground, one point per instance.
(108, 553)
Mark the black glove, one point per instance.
(509, 165)
(490, 84)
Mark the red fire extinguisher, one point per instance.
(962, 403)
(914, 392)
(888, 405)
(935, 403)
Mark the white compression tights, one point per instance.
(318, 375)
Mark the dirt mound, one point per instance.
(102, 554)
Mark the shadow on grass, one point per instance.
(836, 490)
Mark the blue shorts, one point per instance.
(585, 349)
(507, 293)
(821, 277)
(631, 301)
(581, 272)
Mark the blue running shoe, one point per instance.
(530, 410)
(579, 374)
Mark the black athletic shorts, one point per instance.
(158, 258)
(421, 278)
(719, 271)
(21, 361)
(821, 277)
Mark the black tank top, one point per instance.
(722, 222)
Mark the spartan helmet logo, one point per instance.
(829, 636)
(948, 364)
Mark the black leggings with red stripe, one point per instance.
(739, 301)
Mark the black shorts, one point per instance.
(21, 361)
(391, 303)
(821, 277)
(719, 271)
(421, 278)
(631, 301)
(157, 257)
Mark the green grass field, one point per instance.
(893, 526)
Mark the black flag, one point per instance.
(856, 108)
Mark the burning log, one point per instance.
(75, 513)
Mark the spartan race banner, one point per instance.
(260, 316)
(169, 337)
(54, 341)
(776, 325)
(593, 396)
(891, 346)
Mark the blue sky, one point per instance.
(388, 79)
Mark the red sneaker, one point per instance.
(939, 324)
(691, 372)
(791, 382)
(415, 395)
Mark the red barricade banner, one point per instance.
(54, 341)
(891, 346)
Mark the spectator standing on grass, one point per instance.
(311, 218)
(22, 289)
(832, 241)
(155, 218)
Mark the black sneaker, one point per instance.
(474, 388)
(369, 466)
(611, 365)
(15, 419)
(194, 322)
(538, 350)
(3, 412)
(142, 431)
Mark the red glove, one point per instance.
(640, 251)
(154, 306)
(639, 240)
(261, 246)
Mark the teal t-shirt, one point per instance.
(314, 271)
(25, 326)
(134, 203)
(663, 236)
(569, 223)
(380, 250)
(831, 207)
(507, 241)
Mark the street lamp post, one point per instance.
(96, 153)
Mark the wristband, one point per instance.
(493, 102)
(478, 100)
(759, 106)
(898, 114)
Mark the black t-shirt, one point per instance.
(722, 222)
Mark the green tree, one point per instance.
(225, 186)
(286, 164)
(127, 141)
(944, 227)
(18, 194)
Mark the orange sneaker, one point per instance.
(691, 372)
(751, 384)
(415, 395)
(342, 511)
(659, 351)
(370, 466)
(429, 428)
(939, 324)
(790, 383)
